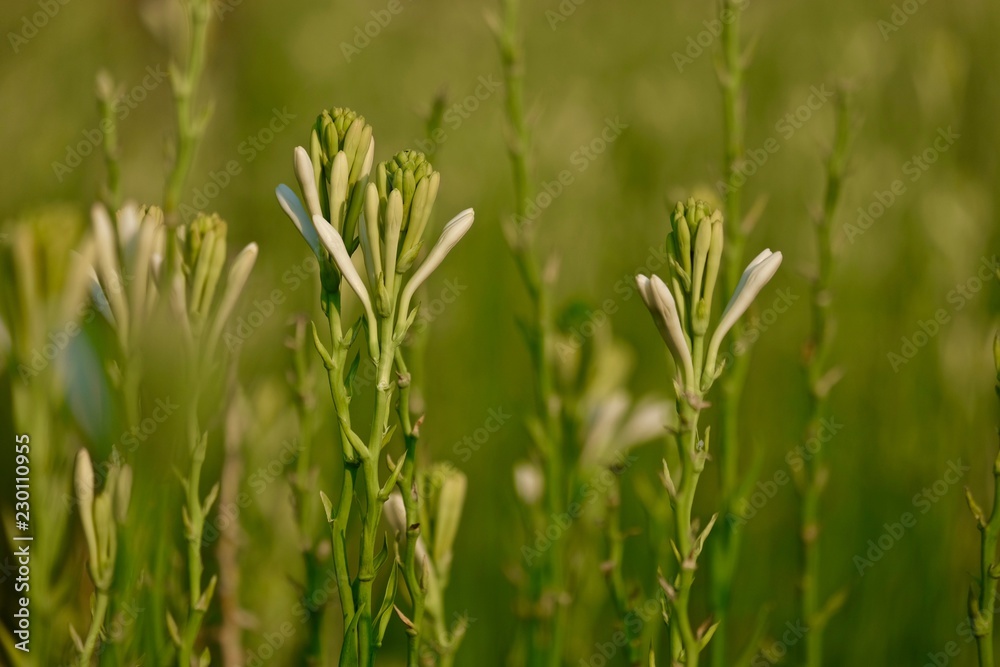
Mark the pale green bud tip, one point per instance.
(202, 227)
(337, 130)
(693, 212)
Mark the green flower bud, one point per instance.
(696, 244)
(204, 255)
(340, 182)
(412, 176)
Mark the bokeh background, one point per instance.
(901, 427)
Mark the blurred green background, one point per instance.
(901, 427)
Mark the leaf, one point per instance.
(382, 555)
(383, 616)
(327, 506)
(175, 634)
(351, 374)
(206, 596)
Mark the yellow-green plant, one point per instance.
(682, 312)
(100, 514)
(385, 211)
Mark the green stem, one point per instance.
(616, 577)
(726, 550)
(107, 97)
(100, 610)
(692, 464)
(816, 370)
(373, 507)
(545, 636)
(189, 129)
(981, 614)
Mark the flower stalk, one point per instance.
(682, 314)
(733, 489)
(384, 211)
(982, 607)
(820, 380)
(545, 618)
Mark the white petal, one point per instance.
(757, 274)
(450, 236)
(660, 302)
(395, 513)
(338, 251)
(239, 273)
(302, 220)
(306, 177)
(107, 268)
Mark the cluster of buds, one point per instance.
(395, 207)
(129, 254)
(128, 274)
(101, 514)
(194, 290)
(682, 310)
(332, 176)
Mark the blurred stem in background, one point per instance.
(546, 616)
(726, 550)
(42, 298)
(982, 607)
(682, 314)
(190, 123)
(820, 379)
(306, 496)
(109, 94)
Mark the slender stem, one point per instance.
(342, 513)
(90, 643)
(616, 577)
(189, 127)
(107, 98)
(727, 545)
(373, 507)
(692, 464)
(545, 635)
(817, 350)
